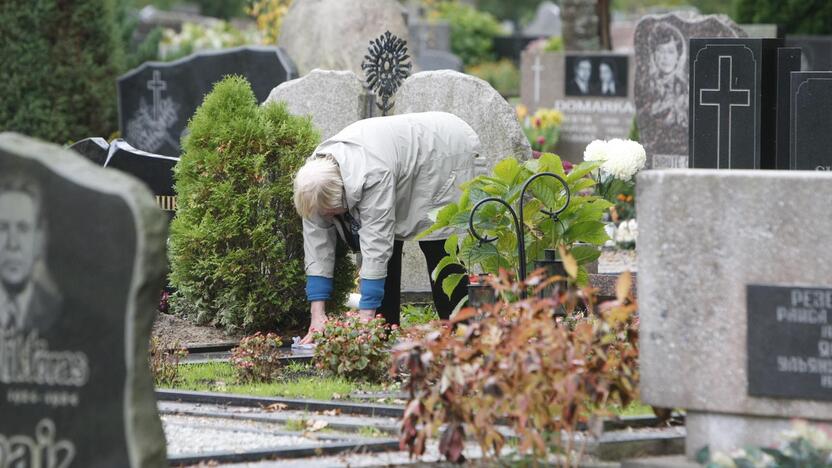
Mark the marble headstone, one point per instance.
(335, 34)
(661, 91)
(333, 99)
(157, 98)
(732, 92)
(548, 81)
(810, 123)
(75, 384)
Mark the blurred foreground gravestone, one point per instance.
(739, 340)
(157, 99)
(82, 259)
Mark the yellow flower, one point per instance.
(549, 117)
(522, 112)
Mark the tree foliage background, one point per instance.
(60, 62)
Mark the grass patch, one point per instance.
(413, 315)
(302, 381)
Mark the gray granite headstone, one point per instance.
(546, 22)
(547, 80)
(157, 99)
(732, 91)
(333, 99)
(429, 59)
(810, 124)
(79, 295)
(661, 90)
(334, 34)
(705, 237)
(429, 35)
(474, 101)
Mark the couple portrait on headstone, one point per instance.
(596, 76)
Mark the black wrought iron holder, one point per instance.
(553, 266)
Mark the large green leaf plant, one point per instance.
(579, 228)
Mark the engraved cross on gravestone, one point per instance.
(724, 98)
(156, 85)
(537, 68)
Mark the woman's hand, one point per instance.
(318, 312)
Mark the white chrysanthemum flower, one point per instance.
(625, 159)
(596, 151)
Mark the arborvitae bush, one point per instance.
(60, 61)
(236, 244)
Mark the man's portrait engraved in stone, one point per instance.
(668, 76)
(580, 76)
(28, 298)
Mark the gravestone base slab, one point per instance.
(679, 461)
(670, 161)
(725, 432)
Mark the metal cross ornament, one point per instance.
(385, 66)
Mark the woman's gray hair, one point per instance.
(318, 186)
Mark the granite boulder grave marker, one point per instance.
(661, 91)
(733, 103)
(811, 94)
(157, 99)
(75, 319)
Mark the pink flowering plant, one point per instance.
(257, 359)
(353, 348)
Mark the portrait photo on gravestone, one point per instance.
(70, 268)
(596, 75)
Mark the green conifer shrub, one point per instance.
(60, 64)
(236, 244)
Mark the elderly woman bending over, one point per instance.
(373, 185)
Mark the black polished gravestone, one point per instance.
(733, 99)
(788, 61)
(155, 170)
(811, 125)
(93, 148)
(789, 342)
(157, 99)
(77, 302)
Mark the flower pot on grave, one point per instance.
(552, 265)
(479, 292)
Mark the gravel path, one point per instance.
(189, 435)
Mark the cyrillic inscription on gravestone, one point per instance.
(790, 342)
(810, 123)
(81, 261)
